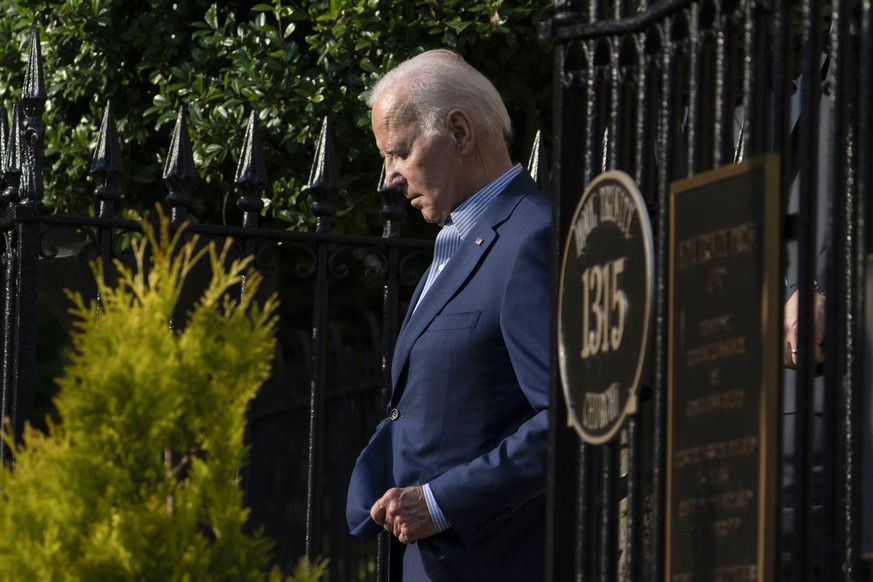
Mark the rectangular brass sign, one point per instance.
(723, 374)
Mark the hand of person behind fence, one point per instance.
(403, 512)
(789, 351)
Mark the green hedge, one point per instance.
(295, 63)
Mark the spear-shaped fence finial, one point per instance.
(179, 173)
(251, 174)
(323, 179)
(4, 143)
(536, 165)
(393, 206)
(31, 190)
(12, 159)
(106, 164)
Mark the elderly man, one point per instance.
(457, 471)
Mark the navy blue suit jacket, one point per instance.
(470, 383)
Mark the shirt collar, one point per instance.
(465, 216)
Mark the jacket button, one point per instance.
(394, 414)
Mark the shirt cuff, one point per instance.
(436, 514)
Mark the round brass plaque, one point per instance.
(605, 305)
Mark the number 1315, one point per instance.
(604, 306)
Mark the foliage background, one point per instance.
(294, 62)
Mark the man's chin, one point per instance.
(430, 216)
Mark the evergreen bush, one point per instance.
(139, 478)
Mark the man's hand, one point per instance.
(403, 512)
(789, 351)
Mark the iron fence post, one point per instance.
(323, 184)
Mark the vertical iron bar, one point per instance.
(584, 537)
(805, 546)
(694, 94)
(393, 211)
(316, 403)
(845, 359)
(839, 232)
(250, 179)
(31, 193)
(772, 131)
(4, 144)
(590, 101)
(614, 139)
(634, 501)
(666, 124)
(323, 184)
(25, 318)
(11, 175)
(21, 322)
(565, 529)
(741, 75)
(635, 489)
(856, 397)
(619, 9)
(609, 514)
(7, 404)
(765, 103)
(641, 129)
(595, 13)
(722, 107)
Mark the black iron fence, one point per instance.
(341, 297)
(665, 90)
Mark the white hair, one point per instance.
(435, 82)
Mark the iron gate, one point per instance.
(664, 90)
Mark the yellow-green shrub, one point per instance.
(139, 479)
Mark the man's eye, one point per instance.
(399, 155)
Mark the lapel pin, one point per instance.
(479, 241)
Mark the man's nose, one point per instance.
(391, 175)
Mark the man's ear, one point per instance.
(460, 129)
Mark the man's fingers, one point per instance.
(403, 512)
(789, 355)
(377, 512)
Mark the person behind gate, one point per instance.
(456, 472)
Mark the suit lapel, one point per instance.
(461, 266)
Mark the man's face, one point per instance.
(428, 170)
